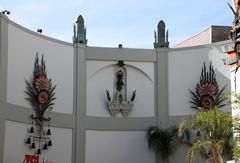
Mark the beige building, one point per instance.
(210, 35)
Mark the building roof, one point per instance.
(210, 35)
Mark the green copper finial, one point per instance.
(155, 36)
(167, 36)
(74, 31)
(160, 39)
(80, 37)
(161, 32)
(80, 24)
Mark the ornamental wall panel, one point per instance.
(140, 77)
(15, 148)
(184, 74)
(22, 49)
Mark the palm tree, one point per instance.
(216, 128)
(236, 126)
(162, 141)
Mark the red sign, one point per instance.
(31, 159)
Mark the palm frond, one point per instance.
(220, 98)
(152, 135)
(186, 123)
(216, 127)
(161, 141)
(52, 89)
(197, 148)
(31, 95)
(194, 95)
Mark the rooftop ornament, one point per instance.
(6, 12)
(39, 30)
(79, 34)
(41, 95)
(161, 40)
(119, 102)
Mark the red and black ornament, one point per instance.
(41, 95)
(207, 94)
(40, 92)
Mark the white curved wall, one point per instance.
(140, 77)
(184, 74)
(119, 147)
(22, 49)
(15, 148)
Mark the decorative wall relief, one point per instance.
(41, 95)
(234, 34)
(207, 94)
(119, 103)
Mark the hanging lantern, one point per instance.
(48, 132)
(45, 147)
(28, 140)
(39, 151)
(49, 143)
(31, 129)
(33, 145)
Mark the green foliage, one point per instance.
(236, 125)
(200, 146)
(236, 152)
(236, 130)
(163, 142)
(216, 126)
(235, 100)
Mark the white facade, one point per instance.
(83, 130)
(184, 73)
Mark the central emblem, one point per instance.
(119, 103)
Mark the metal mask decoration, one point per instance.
(119, 102)
(41, 95)
(207, 94)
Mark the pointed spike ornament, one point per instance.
(167, 36)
